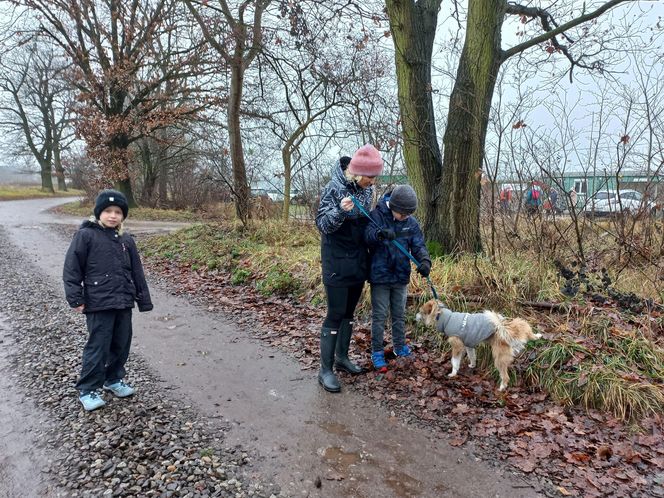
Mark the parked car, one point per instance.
(613, 202)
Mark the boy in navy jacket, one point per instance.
(390, 268)
(103, 277)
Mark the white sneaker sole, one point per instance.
(119, 395)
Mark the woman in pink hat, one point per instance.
(344, 256)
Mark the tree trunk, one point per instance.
(119, 152)
(46, 178)
(240, 186)
(413, 26)
(149, 171)
(287, 160)
(59, 170)
(162, 179)
(467, 121)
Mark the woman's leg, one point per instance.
(337, 305)
(337, 298)
(342, 362)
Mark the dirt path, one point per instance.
(310, 442)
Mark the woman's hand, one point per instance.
(346, 204)
(79, 309)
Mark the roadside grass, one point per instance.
(620, 375)
(277, 258)
(18, 192)
(84, 209)
(588, 358)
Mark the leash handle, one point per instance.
(399, 246)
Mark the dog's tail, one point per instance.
(498, 321)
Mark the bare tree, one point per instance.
(117, 71)
(238, 42)
(37, 107)
(450, 188)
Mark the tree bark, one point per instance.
(413, 26)
(119, 166)
(46, 176)
(59, 170)
(240, 185)
(467, 121)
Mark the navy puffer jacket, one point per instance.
(103, 271)
(344, 254)
(390, 266)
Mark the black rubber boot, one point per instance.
(341, 361)
(326, 377)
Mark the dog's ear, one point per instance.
(427, 307)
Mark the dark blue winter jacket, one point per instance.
(103, 271)
(389, 265)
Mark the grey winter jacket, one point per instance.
(471, 328)
(103, 271)
(344, 254)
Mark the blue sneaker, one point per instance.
(120, 389)
(91, 400)
(403, 351)
(378, 360)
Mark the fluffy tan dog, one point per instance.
(467, 330)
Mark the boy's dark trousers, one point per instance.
(107, 349)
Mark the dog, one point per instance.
(465, 331)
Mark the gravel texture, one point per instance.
(148, 445)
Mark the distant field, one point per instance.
(9, 192)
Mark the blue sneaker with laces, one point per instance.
(91, 400)
(402, 351)
(378, 360)
(120, 389)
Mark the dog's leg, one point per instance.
(458, 350)
(472, 357)
(502, 359)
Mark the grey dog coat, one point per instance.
(471, 328)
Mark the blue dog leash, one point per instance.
(395, 242)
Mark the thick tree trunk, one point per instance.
(46, 178)
(468, 117)
(413, 26)
(240, 185)
(149, 172)
(119, 152)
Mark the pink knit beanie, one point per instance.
(366, 162)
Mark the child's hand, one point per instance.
(386, 234)
(79, 309)
(346, 204)
(425, 268)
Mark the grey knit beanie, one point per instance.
(403, 199)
